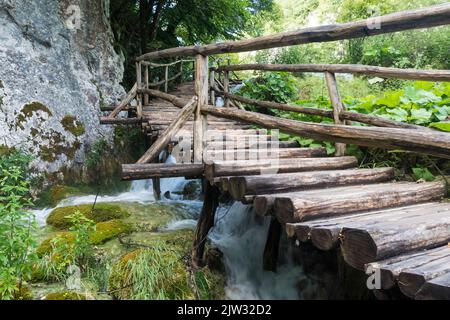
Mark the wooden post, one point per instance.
(146, 79)
(338, 107)
(166, 79)
(226, 88)
(270, 257)
(139, 86)
(201, 90)
(181, 71)
(211, 88)
(205, 223)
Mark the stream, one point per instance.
(238, 233)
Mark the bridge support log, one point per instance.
(271, 250)
(205, 223)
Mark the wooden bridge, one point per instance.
(398, 230)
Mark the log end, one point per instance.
(358, 248)
(263, 205)
(410, 283)
(290, 230)
(284, 210)
(323, 239)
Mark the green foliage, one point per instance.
(81, 248)
(421, 173)
(95, 155)
(422, 103)
(16, 224)
(271, 86)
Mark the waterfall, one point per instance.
(241, 236)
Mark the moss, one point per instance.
(72, 125)
(108, 230)
(104, 231)
(1, 85)
(102, 212)
(4, 150)
(67, 295)
(28, 110)
(164, 263)
(58, 146)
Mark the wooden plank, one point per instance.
(124, 121)
(302, 231)
(261, 154)
(391, 268)
(169, 133)
(148, 171)
(400, 21)
(277, 183)
(435, 289)
(308, 205)
(382, 72)
(201, 90)
(382, 240)
(238, 168)
(338, 107)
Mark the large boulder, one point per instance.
(57, 67)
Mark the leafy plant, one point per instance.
(274, 86)
(17, 245)
(95, 155)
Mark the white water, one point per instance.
(241, 236)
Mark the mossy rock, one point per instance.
(72, 125)
(53, 195)
(101, 213)
(67, 295)
(161, 271)
(104, 231)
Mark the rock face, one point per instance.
(57, 67)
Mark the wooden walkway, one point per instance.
(401, 229)
(399, 232)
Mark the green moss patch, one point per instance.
(29, 109)
(104, 231)
(67, 295)
(108, 230)
(72, 125)
(160, 271)
(101, 213)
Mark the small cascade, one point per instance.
(241, 236)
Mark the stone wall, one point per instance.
(57, 67)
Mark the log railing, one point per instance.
(209, 82)
(391, 135)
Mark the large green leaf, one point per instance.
(443, 126)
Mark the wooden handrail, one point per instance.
(345, 115)
(406, 20)
(423, 141)
(130, 96)
(181, 118)
(383, 72)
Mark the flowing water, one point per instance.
(238, 233)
